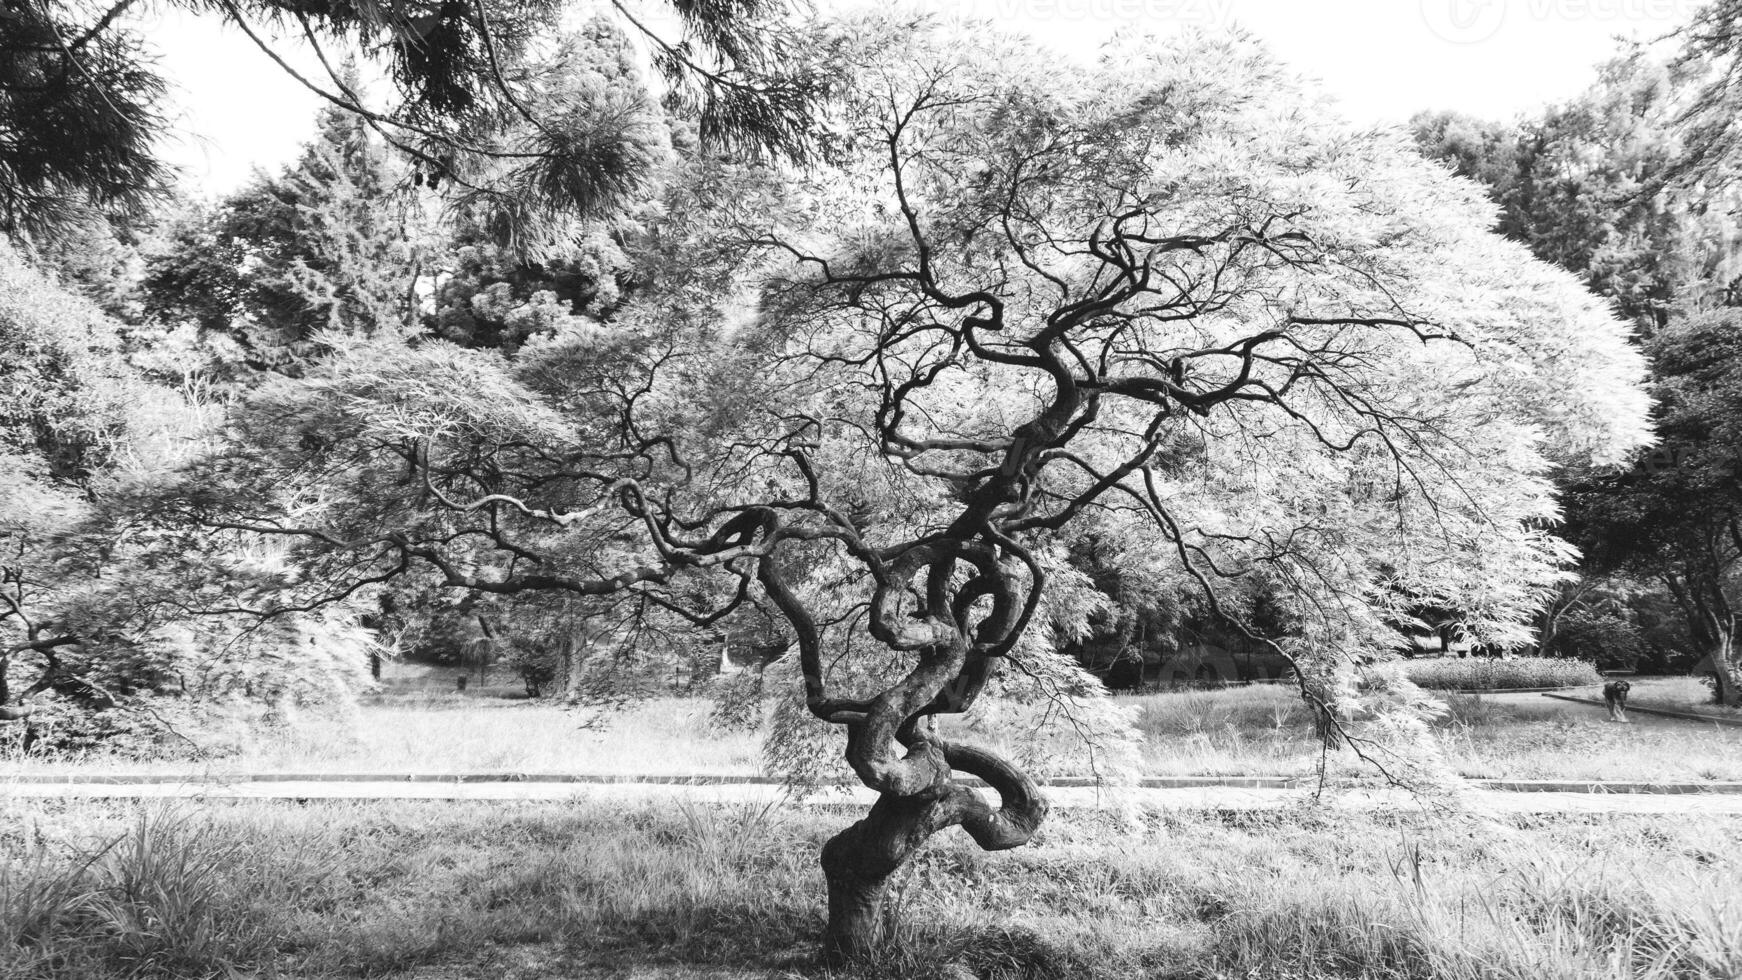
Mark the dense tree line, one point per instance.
(1628, 186)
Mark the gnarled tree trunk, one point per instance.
(859, 862)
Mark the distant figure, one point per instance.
(1615, 696)
(460, 683)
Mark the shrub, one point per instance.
(1607, 636)
(536, 666)
(1490, 674)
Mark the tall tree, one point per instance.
(79, 116)
(1170, 295)
(325, 247)
(1676, 517)
(515, 271)
(80, 96)
(1589, 186)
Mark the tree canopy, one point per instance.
(1628, 185)
(1170, 296)
(329, 246)
(1674, 517)
(482, 100)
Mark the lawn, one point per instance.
(1688, 695)
(428, 891)
(1262, 730)
(1267, 730)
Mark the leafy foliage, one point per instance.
(1588, 186)
(79, 112)
(483, 101)
(91, 619)
(325, 248)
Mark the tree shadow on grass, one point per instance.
(718, 944)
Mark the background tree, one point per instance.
(79, 113)
(1675, 516)
(326, 247)
(514, 272)
(1588, 186)
(1605, 186)
(1169, 297)
(79, 98)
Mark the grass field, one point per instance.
(1261, 730)
(1689, 695)
(453, 891)
(422, 891)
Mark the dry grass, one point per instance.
(1266, 730)
(1260, 730)
(464, 733)
(1687, 694)
(422, 890)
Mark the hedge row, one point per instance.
(1488, 673)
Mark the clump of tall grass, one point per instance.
(1255, 709)
(160, 900)
(1537, 920)
(1498, 674)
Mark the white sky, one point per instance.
(1383, 59)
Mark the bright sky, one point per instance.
(1383, 59)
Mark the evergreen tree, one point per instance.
(80, 96)
(327, 247)
(79, 113)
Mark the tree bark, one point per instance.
(859, 862)
(1724, 671)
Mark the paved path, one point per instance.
(1192, 798)
(1586, 704)
(1653, 716)
(1586, 710)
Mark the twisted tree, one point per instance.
(1170, 296)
